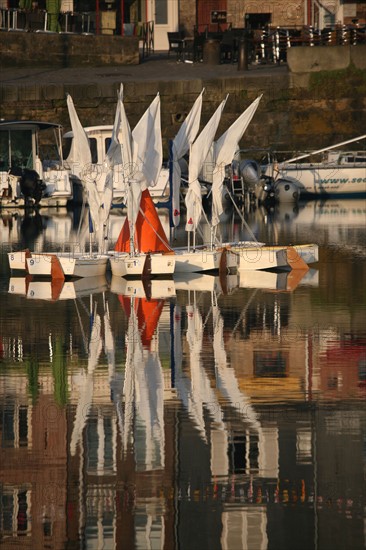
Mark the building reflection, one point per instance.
(180, 417)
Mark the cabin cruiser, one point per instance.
(337, 174)
(32, 171)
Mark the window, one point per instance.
(94, 150)
(19, 146)
(161, 12)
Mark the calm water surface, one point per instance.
(205, 413)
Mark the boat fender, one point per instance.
(286, 191)
(250, 172)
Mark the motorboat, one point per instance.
(327, 173)
(32, 170)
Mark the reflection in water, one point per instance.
(202, 412)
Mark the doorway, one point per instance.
(164, 14)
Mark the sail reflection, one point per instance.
(144, 384)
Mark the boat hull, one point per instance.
(254, 258)
(153, 265)
(197, 260)
(260, 257)
(67, 265)
(17, 260)
(330, 181)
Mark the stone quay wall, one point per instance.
(305, 106)
(60, 50)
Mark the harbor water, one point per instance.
(200, 412)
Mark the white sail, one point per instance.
(197, 156)
(142, 155)
(113, 159)
(147, 137)
(224, 150)
(180, 147)
(114, 152)
(82, 156)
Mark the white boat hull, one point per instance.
(17, 260)
(333, 180)
(149, 265)
(261, 257)
(197, 260)
(309, 253)
(67, 265)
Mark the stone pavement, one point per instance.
(157, 67)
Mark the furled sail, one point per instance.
(224, 150)
(197, 156)
(180, 147)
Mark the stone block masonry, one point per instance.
(57, 50)
(313, 110)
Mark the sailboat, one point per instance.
(206, 257)
(142, 248)
(249, 255)
(79, 264)
(180, 146)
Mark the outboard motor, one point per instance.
(31, 186)
(265, 190)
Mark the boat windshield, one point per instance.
(16, 149)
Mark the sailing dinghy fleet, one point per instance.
(142, 248)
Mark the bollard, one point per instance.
(243, 55)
